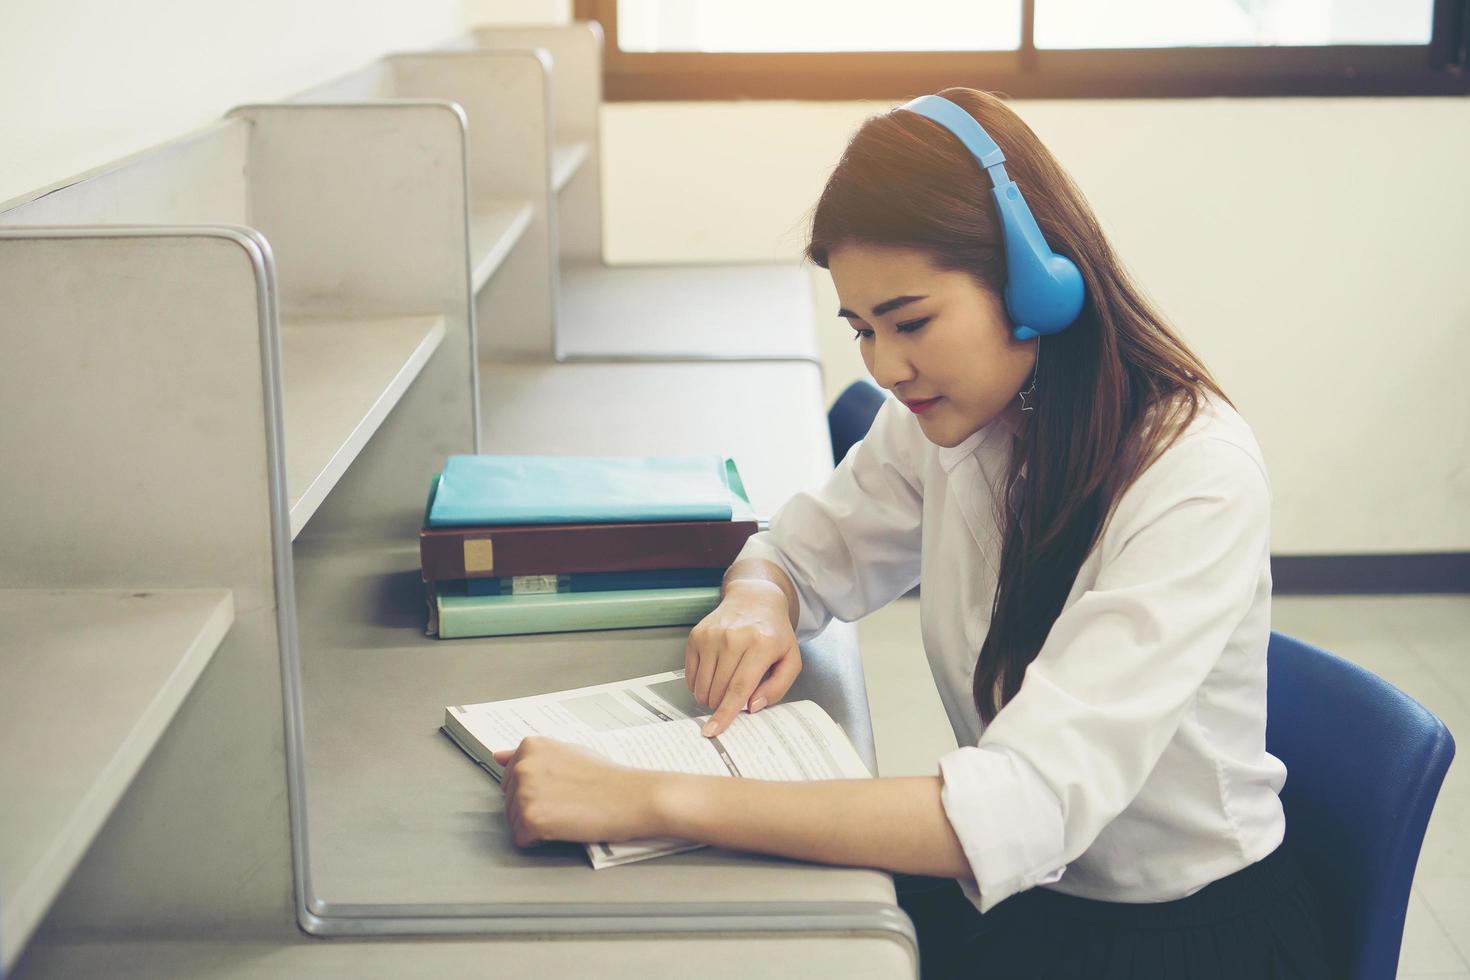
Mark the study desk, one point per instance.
(401, 818)
(407, 834)
(408, 864)
(404, 834)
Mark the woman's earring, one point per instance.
(1032, 390)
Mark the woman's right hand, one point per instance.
(743, 653)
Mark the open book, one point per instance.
(654, 722)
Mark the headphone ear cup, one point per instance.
(1044, 291)
(1043, 295)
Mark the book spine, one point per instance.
(674, 578)
(466, 616)
(486, 552)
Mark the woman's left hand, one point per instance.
(557, 791)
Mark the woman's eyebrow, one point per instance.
(887, 306)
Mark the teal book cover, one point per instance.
(456, 616)
(508, 490)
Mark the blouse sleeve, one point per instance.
(852, 546)
(1181, 561)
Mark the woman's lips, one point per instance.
(920, 406)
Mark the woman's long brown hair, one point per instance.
(1112, 391)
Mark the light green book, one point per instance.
(454, 616)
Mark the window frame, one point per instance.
(1440, 68)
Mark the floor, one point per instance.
(1420, 643)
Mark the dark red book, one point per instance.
(551, 549)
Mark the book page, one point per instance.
(797, 740)
(675, 746)
(790, 741)
(575, 714)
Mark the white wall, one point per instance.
(1313, 251)
(83, 82)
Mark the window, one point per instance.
(817, 25)
(841, 49)
(1079, 24)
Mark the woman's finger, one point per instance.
(726, 669)
(737, 694)
(519, 832)
(691, 662)
(709, 659)
(783, 674)
(508, 788)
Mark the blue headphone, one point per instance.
(1044, 290)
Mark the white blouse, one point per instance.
(1131, 766)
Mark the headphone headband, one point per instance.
(1044, 291)
(965, 127)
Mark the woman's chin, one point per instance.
(937, 432)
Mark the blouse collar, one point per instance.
(994, 435)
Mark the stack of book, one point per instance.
(546, 544)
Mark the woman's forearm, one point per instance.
(897, 824)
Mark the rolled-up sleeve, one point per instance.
(852, 546)
(1180, 562)
(1006, 817)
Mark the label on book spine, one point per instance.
(479, 556)
(532, 584)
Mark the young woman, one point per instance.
(1089, 518)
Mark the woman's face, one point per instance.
(936, 339)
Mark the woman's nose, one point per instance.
(888, 363)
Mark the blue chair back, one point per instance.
(852, 415)
(1364, 764)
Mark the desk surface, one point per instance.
(752, 311)
(90, 681)
(400, 819)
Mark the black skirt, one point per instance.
(1260, 922)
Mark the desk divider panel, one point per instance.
(364, 205)
(197, 179)
(143, 450)
(576, 98)
(505, 96)
(368, 204)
